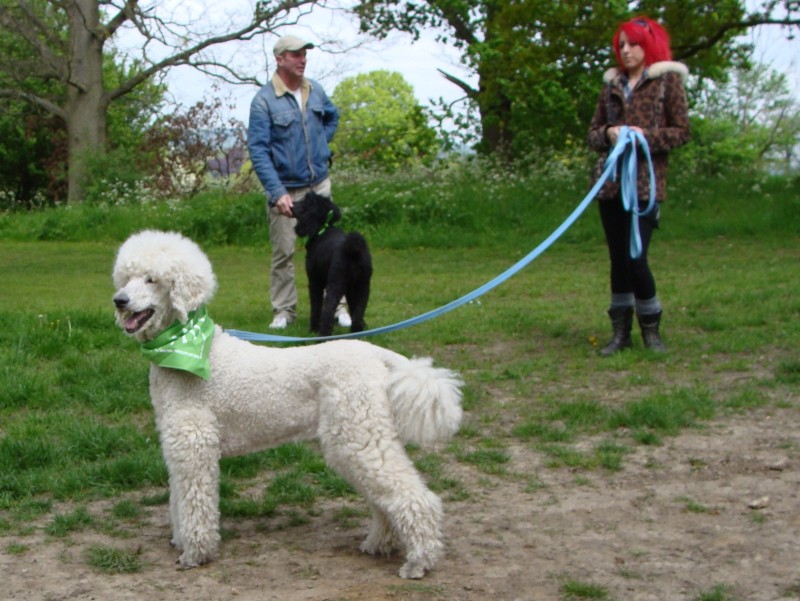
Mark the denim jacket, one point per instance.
(289, 146)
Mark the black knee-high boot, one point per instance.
(650, 334)
(621, 322)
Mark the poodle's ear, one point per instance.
(305, 220)
(191, 290)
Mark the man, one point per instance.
(292, 121)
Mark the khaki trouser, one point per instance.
(282, 287)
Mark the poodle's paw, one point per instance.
(188, 560)
(382, 539)
(412, 570)
(385, 547)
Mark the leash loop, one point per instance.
(624, 150)
(624, 154)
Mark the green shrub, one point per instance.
(454, 204)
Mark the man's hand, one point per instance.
(284, 205)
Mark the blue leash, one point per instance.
(624, 150)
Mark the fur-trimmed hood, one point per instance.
(653, 71)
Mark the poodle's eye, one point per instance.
(149, 280)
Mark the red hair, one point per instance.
(648, 34)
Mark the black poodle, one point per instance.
(337, 264)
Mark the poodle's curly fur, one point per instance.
(361, 401)
(338, 264)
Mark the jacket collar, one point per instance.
(281, 89)
(653, 71)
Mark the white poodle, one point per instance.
(361, 401)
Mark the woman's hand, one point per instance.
(613, 132)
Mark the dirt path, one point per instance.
(672, 524)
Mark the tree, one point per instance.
(33, 148)
(381, 123)
(64, 41)
(539, 62)
(28, 142)
(748, 122)
(184, 146)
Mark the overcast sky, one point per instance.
(417, 61)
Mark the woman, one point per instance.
(646, 93)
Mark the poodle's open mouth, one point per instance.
(136, 321)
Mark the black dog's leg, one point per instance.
(316, 292)
(333, 294)
(334, 291)
(357, 297)
(357, 272)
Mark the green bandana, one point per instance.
(184, 346)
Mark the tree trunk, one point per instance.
(493, 101)
(495, 110)
(497, 136)
(86, 99)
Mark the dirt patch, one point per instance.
(673, 523)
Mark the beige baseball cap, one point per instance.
(290, 43)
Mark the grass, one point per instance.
(418, 590)
(114, 561)
(573, 590)
(76, 423)
(16, 549)
(82, 383)
(692, 506)
(63, 524)
(349, 517)
(719, 592)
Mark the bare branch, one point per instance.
(34, 99)
(776, 127)
(462, 29)
(19, 70)
(126, 13)
(264, 21)
(33, 30)
(755, 20)
(40, 26)
(467, 89)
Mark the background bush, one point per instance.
(461, 203)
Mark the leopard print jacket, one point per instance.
(658, 105)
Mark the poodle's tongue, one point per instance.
(137, 320)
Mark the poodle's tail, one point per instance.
(356, 252)
(355, 245)
(426, 400)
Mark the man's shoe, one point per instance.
(343, 317)
(280, 322)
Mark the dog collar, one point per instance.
(184, 346)
(323, 229)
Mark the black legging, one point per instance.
(628, 275)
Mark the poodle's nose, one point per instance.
(121, 300)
